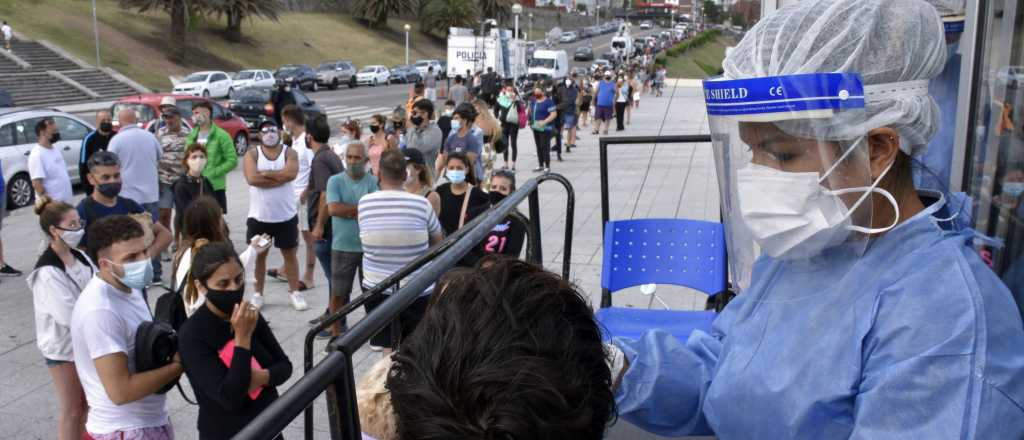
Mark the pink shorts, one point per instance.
(164, 432)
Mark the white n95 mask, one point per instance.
(791, 216)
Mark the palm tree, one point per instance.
(178, 10)
(496, 9)
(446, 14)
(376, 12)
(238, 10)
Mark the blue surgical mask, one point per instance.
(136, 274)
(1013, 189)
(456, 176)
(456, 124)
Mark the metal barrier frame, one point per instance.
(335, 375)
(603, 143)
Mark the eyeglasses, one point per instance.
(268, 130)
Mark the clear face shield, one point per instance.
(793, 166)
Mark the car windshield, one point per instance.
(583, 49)
(422, 63)
(246, 74)
(253, 95)
(196, 77)
(618, 44)
(145, 113)
(543, 62)
(368, 69)
(326, 66)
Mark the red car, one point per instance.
(147, 106)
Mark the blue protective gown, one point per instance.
(914, 339)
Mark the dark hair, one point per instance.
(506, 174)
(379, 119)
(103, 158)
(467, 112)
(202, 103)
(449, 102)
(318, 129)
(203, 219)
(458, 79)
(208, 258)
(191, 149)
(425, 106)
(293, 112)
(42, 124)
(506, 350)
(418, 88)
(110, 230)
(50, 212)
(464, 158)
(352, 125)
(392, 165)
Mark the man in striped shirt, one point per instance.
(395, 228)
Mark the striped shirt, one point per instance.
(395, 229)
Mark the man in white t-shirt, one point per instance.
(294, 124)
(46, 166)
(8, 35)
(122, 400)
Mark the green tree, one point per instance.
(712, 12)
(238, 10)
(376, 12)
(446, 14)
(496, 9)
(179, 10)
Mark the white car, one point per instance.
(424, 65)
(252, 78)
(373, 75)
(210, 84)
(18, 136)
(646, 25)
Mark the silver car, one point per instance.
(18, 136)
(332, 74)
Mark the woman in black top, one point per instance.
(190, 186)
(226, 325)
(452, 195)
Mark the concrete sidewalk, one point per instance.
(646, 181)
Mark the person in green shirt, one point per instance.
(343, 193)
(220, 149)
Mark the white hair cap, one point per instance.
(895, 45)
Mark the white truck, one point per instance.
(471, 53)
(553, 64)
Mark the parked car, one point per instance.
(332, 74)
(18, 136)
(583, 53)
(423, 65)
(404, 73)
(298, 75)
(147, 107)
(581, 72)
(646, 24)
(256, 105)
(252, 78)
(568, 37)
(209, 84)
(1011, 76)
(373, 75)
(600, 65)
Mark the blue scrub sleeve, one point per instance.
(664, 387)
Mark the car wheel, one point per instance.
(316, 86)
(241, 143)
(206, 93)
(19, 192)
(375, 82)
(334, 84)
(231, 92)
(352, 83)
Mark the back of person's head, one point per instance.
(203, 219)
(294, 114)
(458, 79)
(426, 107)
(318, 129)
(392, 166)
(506, 350)
(110, 230)
(419, 88)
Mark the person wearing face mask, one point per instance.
(220, 149)
(350, 132)
(122, 401)
(191, 186)
(509, 106)
(379, 141)
(419, 180)
(864, 311)
(424, 134)
(459, 198)
(542, 113)
(343, 193)
(295, 127)
(105, 201)
(444, 121)
(95, 141)
(60, 274)
(622, 97)
(173, 163)
(46, 166)
(605, 101)
(231, 356)
(507, 237)
(463, 139)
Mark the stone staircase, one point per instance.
(36, 75)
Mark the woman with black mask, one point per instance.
(231, 357)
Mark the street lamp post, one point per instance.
(597, 15)
(407, 28)
(96, 33)
(517, 9)
(529, 29)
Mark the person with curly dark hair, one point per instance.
(506, 350)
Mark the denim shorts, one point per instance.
(569, 121)
(55, 363)
(166, 197)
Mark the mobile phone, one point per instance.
(264, 241)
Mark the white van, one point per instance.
(552, 63)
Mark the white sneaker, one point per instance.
(257, 300)
(298, 301)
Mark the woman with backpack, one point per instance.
(60, 274)
(511, 113)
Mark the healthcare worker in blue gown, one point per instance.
(861, 317)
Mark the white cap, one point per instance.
(168, 100)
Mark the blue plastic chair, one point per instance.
(679, 252)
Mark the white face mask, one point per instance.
(792, 216)
(197, 164)
(71, 238)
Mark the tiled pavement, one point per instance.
(666, 180)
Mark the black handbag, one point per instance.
(155, 345)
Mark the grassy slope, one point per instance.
(134, 43)
(711, 53)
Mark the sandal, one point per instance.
(302, 286)
(273, 273)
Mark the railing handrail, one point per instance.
(336, 368)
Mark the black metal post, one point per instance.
(535, 254)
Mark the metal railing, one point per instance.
(335, 375)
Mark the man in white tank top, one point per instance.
(270, 169)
